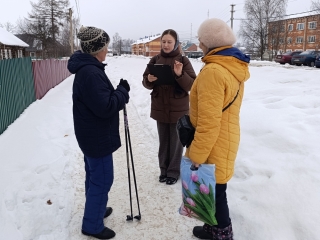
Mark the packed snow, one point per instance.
(274, 194)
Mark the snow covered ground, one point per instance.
(274, 194)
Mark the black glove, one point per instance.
(125, 84)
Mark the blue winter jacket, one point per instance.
(96, 106)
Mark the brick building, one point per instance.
(148, 46)
(295, 34)
(191, 50)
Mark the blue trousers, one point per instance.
(99, 179)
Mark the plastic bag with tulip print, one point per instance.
(198, 192)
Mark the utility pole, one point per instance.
(71, 31)
(232, 11)
(191, 34)
(77, 44)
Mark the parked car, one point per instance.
(286, 57)
(317, 62)
(305, 58)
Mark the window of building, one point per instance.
(281, 40)
(299, 40)
(6, 54)
(311, 39)
(274, 29)
(300, 26)
(33, 54)
(312, 25)
(289, 40)
(290, 27)
(10, 54)
(282, 28)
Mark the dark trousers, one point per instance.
(222, 209)
(170, 149)
(99, 179)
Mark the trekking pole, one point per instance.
(129, 217)
(127, 133)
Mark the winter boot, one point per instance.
(222, 233)
(203, 232)
(106, 233)
(108, 212)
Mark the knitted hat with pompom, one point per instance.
(92, 39)
(215, 33)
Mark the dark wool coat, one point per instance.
(96, 106)
(170, 102)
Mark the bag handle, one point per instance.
(226, 107)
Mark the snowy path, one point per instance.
(159, 202)
(274, 193)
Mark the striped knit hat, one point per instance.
(92, 39)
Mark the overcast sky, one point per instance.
(138, 18)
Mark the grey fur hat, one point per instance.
(92, 39)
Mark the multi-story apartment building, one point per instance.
(294, 34)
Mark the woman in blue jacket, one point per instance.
(96, 106)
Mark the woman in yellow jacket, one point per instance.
(216, 140)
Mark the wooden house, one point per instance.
(148, 46)
(11, 46)
(34, 50)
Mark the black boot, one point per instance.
(203, 232)
(108, 212)
(106, 233)
(222, 233)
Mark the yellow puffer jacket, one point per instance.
(217, 135)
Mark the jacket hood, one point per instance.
(80, 59)
(232, 59)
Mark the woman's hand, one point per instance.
(151, 78)
(195, 164)
(178, 68)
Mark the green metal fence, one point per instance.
(16, 89)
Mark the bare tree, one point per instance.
(277, 38)
(116, 43)
(65, 38)
(315, 5)
(126, 45)
(9, 27)
(254, 29)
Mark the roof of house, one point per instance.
(34, 44)
(7, 38)
(294, 16)
(187, 45)
(146, 39)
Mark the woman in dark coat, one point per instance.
(96, 106)
(169, 103)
